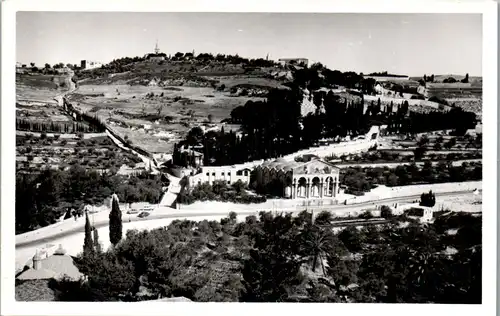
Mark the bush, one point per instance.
(438, 100)
(386, 212)
(428, 199)
(366, 215)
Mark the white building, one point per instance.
(88, 64)
(229, 174)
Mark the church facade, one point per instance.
(314, 179)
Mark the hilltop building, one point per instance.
(157, 55)
(87, 64)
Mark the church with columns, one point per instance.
(314, 179)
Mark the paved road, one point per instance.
(197, 213)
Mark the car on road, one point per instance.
(143, 214)
(132, 211)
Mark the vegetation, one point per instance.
(275, 127)
(88, 244)
(55, 127)
(41, 199)
(359, 179)
(115, 222)
(288, 259)
(219, 191)
(428, 199)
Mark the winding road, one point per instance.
(197, 213)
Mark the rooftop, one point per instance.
(56, 266)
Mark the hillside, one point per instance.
(39, 86)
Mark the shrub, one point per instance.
(428, 199)
(386, 212)
(366, 215)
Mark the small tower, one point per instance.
(60, 251)
(157, 49)
(37, 261)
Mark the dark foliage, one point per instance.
(41, 199)
(115, 223)
(361, 180)
(88, 244)
(273, 258)
(428, 199)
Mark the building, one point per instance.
(156, 56)
(379, 89)
(228, 174)
(44, 267)
(294, 61)
(87, 64)
(315, 179)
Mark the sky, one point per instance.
(410, 44)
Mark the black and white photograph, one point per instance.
(182, 156)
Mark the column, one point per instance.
(294, 191)
(321, 189)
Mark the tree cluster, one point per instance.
(41, 199)
(428, 199)
(359, 179)
(219, 191)
(56, 127)
(280, 258)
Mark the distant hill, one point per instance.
(179, 72)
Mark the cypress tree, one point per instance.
(88, 244)
(115, 222)
(97, 245)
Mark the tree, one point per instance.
(428, 199)
(115, 222)
(272, 270)
(452, 142)
(210, 118)
(466, 79)
(385, 212)
(88, 244)
(32, 65)
(317, 243)
(419, 152)
(97, 245)
(47, 66)
(450, 80)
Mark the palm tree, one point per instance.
(316, 243)
(422, 265)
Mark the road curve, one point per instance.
(196, 213)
